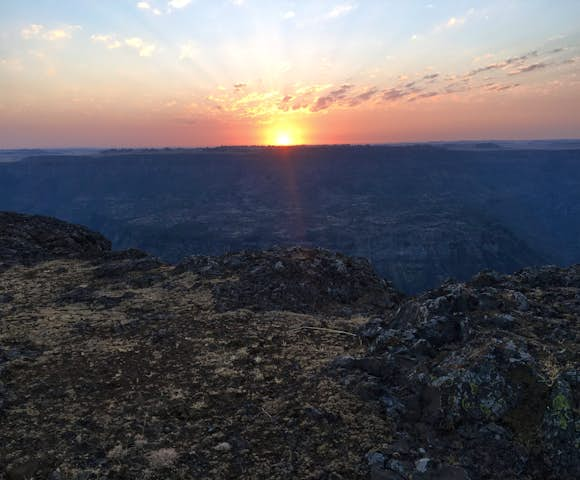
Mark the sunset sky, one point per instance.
(100, 73)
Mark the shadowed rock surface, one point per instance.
(296, 279)
(28, 239)
(286, 363)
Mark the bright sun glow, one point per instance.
(284, 134)
(283, 139)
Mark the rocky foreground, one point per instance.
(287, 363)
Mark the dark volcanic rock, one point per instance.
(294, 279)
(484, 373)
(117, 366)
(218, 367)
(27, 239)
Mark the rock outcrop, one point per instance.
(285, 363)
(28, 239)
(481, 379)
(294, 279)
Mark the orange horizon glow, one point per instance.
(321, 73)
(286, 134)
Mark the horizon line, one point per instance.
(346, 144)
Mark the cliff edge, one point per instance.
(285, 363)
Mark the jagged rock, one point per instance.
(472, 365)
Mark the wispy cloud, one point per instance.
(188, 51)
(529, 68)
(179, 3)
(147, 6)
(363, 97)
(341, 10)
(397, 93)
(497, 87)
(426, 86)
(31, 31)
(326, 101)
(110, 41)
(39, 31)
(505, 64)
(145, 49)
(455, 21)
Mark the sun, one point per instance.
(284, 139)
(284, 134)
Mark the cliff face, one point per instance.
(286, 363)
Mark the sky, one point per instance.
(156, 73)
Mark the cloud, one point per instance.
(60, 34)
(394, 94)
(486, 68)
(341, 10)
(425, 86)
(509, 62)
(363, 97)
(519, 64)
(530, 68)
(522, 58)
(497, 87)
(179, 3)
(454, 21)
(188, 51)
(39, 31)
(288, 15)
(31, 31)
(110, 41)
(147, 6)
(237, 3)
(425, 95)
(324, 102)
(144, 49)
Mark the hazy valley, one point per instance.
(419, 213)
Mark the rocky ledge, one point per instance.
(481, 379)
(287, 363)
